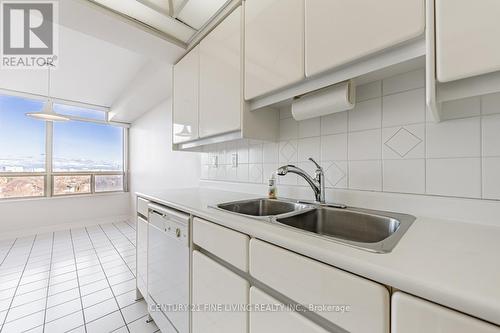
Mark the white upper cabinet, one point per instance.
(221, 92)
(274, 45)
(414, 315)
(340, 31)
(185, 99)
(467, 38)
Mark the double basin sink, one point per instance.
(370, 230)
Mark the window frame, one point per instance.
(49, 174)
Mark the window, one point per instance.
(87, 154)
(80, 146)
(22, 139)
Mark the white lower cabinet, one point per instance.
(414, 315)
(216, 286)
(276, 321)
(310, 283)
(142, 256)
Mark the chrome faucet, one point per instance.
(317, 183)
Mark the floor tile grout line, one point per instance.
(12, 300)
(48, 283)
(121, 232)
(8, 252)
(78, 279)
(114, 296)
(133, 273)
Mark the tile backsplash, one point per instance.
(384, 144)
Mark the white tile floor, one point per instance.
(78, 280)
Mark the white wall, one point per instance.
(153, 164)
(29, 216)
(384, 147)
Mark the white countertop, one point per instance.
(450, 263)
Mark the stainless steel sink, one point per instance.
(370, 230)
(264, 208)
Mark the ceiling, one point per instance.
(109, 62)
(180, 19)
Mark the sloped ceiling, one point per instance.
(180, 19)
(101, 56)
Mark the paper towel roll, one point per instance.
(336, 98)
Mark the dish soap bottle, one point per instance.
(272, 190)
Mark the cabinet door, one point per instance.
(340, 31)
(414, 315)
(227, 244)
(274, 45)
(215, 285)
(467, 38)
(186, 95)
(277, 321)
(309, 282)
(221, 92)
(142, 256)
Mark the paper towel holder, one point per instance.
(335, 98)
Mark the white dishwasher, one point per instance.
(168, 268)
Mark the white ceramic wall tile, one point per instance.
(232, 173)
(336, 173)
(255, 173)
(334, 123)
(460, 177)
(242, 153)
(491, 178)
(491, 135)
(334, 147)
(462, 108)
(289, 129)
(404, 176)
(402, 82)
(270, 153)
(309, 147)
(255, 153)
(368, 91)
(490, 104)
(384, 144)
(242, 173)
(365, 175)
(309, 128)
(404, 108)
(288, 152)
(365, 145)
(366, 115)
(406, 142)
(454, 138)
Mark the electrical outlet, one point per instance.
(214, 161)
(234, 160)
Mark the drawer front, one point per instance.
(215, 285)
(411, 314)
(225, 243)
(277, 321)
(310, 282)
(142, 206)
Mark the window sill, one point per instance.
(59, 197)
